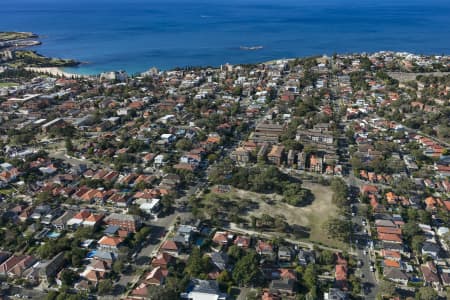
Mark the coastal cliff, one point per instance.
(15, 53)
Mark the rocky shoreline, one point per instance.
(15, 52)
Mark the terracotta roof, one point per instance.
(94, 218)
(110, 241)
(82, 214)
(94, 276)
(389, 230)
(391, 263)
(156, 276)
(341, 273)
(389, 237)
(220, 237)
(287, 274)
(141, 290)
(163, 259)
(447, 205)
(169, 245)
(391, 254)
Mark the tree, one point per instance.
(118, 266)
(51, 295)
(326, 257)
(386, 288)
(427, 293)
(310, 276)
(417, 242)
(247, 270)
(105, 287)
(68, 277)
(339, 229)
(235, 252)
(224, 280)
(196, 265)
(184, 145)
(161, 293)
(69, 145)
(410, 229)
(340, 192)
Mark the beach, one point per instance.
(55, 72)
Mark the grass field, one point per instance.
(312, 216)
(7, 84)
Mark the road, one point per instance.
(311, 246)
(71, 160)
(365, 255)
(160, 229)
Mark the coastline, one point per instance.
(55, 71)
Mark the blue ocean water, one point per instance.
(135, 35)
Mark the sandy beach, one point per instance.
(55, 72)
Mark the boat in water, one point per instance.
(251, 48)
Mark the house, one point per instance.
(94, 220)
(78, 219)
(242, 241)
(430, 274)
(241, 155)
(392, 238)
(16, 264)
(110, 244)
(4, 256)
(170, 247)
(267, 295)
(264, 249)
(276, 155)
(391, 255)
(335, 294)
(285, 254)
(95, 272)
(340, 273)
(284, 286)
(316, 164)
(369, 189)
(152, 207)
(155, 277)
(204, 290)
(49, 269)
(431, 249)
(267, 132)
(61, 222)
(305, 257)
(159, 161)
(319, 137)
(184, 235)
(129, 223)
(220, 260)
(445, 276)
(221, 238)
(163, 260)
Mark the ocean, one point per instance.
(135, 35)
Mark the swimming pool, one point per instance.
(53, 235)
(91, 254)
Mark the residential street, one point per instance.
(364, 253)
